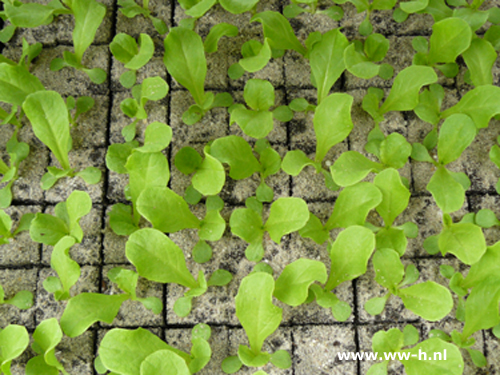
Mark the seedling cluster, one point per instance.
(465, 35)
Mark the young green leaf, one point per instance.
(210, 175)
(255, 124)
(278, 31)
(255, 57)
(332, 123)
(480, 104)
(216, 33)
(164, 361)
(395, 196)
(286, 216)
(85, 309)
(167, 211)
(14, 340)
(456, 134)
(67, 269)
(294, 161)
(447, 192)
(88, 17)
(17, 83)
(259, 94)
(392, 238)
(480, 57)
(395, 151)
(158, 258)
(353, 205)
(236, 152)
(292, 286)
(351, 167)
(450, 37)
(47, 336)
(185, 61)
(481, 307)
(406, 87)
(48, 115)
(389, 270)
(429, 300)
(327, 62)
(238, 6)
(157, 137)
(255, 309)
(350, 254)
(464, 240)
(488, 265)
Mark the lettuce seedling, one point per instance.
(421, 358)
(332, 125)
(18, 151)
(429, 300)
(326, 57)
(81, 105)
(28, 15)
(48, 229)
(185, 61)
(146, 166)
(23, 300)
(125, 49)
(257, 122)
(130, 9)
(216, 33)
(14, 340)
(351, 208)
(157, 258)
(278, 37)
(152, 88)
(85, 309)
(146, 354)
(49, 118)
(6, 233)
(260, 318)
(286, 215)
(360, 58)
(89, 15)
(46, 337)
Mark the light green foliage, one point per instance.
(125, 49)
(152, 88)
(456, 134)
(480, 58)
(395, 196)
(464, 240)
(327, 63)
(481, 307)
(332, 123)
(450, 37)
(350, 254)
(17, 83)
(46, 337)
(293, 284)
(448, 193)
(48, 229)
(352, 167)
(258, 316)
(360, 59)
(480, 104)
(236, 152)
(23, 300)
(88, 15)
(14, 340)
(216, 33)
(85, 309)
(238, 6)
(429, 300)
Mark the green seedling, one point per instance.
(260, 318)
(6, 233)
(292, 10)
(130, 9)
(257, 122)
(49, 229)
(332, 125)
(23, 300)
(152, 88)
(360, 58)
(49, 118)
(85, 309)
(88, 15)
(125, 49)
(157, 258)
(140, 352)
(18, 151)
(28, 15)
(429, 300)
(278, 37)
(433, 355)
(146, 166)
(286, 215)
(186, 62)
(14, 340)
(81, 105)
(46, 337)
